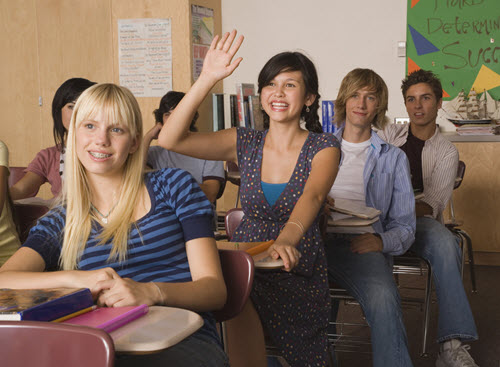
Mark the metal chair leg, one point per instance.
(468, 242)
(428, 294)
(237, 198)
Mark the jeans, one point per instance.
(435, 243)
(368, 278)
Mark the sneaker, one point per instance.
(455, 354)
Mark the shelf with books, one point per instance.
(328, 114)
(243, 90)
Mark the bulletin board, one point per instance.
(459, 40)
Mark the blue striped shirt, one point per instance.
(156, 248)
(388, 188)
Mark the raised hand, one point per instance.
(219, 62)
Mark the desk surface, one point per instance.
(159, 329)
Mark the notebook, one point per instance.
(42, 304)
(355, 208)
(109, 318)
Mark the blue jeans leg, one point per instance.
(435, 243)
(368, 278)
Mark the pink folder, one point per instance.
(109, 318)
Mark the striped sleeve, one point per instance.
(439, 169)
(191, 206)
(46, 237)
(400, 222)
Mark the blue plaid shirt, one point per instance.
(388, 188)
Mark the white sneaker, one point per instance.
(455, 354)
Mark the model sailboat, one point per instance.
(461, 111)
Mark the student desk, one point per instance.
(159, 329)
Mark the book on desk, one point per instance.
(258, 251)
(43, 304)
(109, 318)
(352, 213)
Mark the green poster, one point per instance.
(459, 40)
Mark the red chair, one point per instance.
(26, 217)
(232, 221)
(238, 270)
(48, 344)
(16, 173)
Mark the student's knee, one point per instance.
(380, 301)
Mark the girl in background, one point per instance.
(131, 238)
(48, 165)
(286, 173)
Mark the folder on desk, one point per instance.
(109, 318)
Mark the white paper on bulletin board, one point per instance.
(202, 22)
(145, 56)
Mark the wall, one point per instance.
(45, 42)
(337, 35)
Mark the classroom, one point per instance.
(46, 42)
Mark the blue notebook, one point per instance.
(42, 304)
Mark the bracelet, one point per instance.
(297, 223)
(161, 293)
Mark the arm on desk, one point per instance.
(206, 291)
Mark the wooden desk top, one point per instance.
(159, 329)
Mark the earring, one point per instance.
(307, 109)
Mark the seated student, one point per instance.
(9, 239)
(377, 174)
(131, 238)
(286, 172)
(208, 174)
(48, 165)
(433, 165)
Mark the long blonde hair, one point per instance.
(116, 104)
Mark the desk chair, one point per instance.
(232, 221)
(233, 176)
(412, 264)
(16, 173)
(26, 217)
(238, 270)
(454, 225)
(48, 344)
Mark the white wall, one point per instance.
(338, 36)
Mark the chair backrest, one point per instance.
(233, 173)
(460, 175)
(35, 343)
(238, 270)
(232, 221)
(26, 217)
(16, 173)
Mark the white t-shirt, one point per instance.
(349, 183)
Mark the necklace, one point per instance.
(104, 218)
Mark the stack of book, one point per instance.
(240, 109)
(328, 114)
(351, 213)
(483, 129)
(73, 306)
